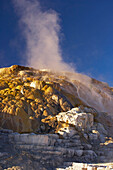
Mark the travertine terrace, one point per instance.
(54, 120)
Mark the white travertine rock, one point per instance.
(33, 84)
(76, 166)
(84, 166)
(80, 120)
(102, 168)
(91, 168)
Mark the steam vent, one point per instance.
(54, 120)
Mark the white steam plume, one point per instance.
(41, 31)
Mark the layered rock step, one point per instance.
(51, 144)
(49, 151)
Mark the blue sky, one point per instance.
(86, 36)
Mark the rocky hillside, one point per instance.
(30, 99)
(54, 115)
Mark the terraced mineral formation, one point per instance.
(52, 119)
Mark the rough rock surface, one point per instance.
(50, 120)
(51, 151)
(77, 118)
(30, 99)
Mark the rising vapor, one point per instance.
(41, 31)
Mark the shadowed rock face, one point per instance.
(30, 99)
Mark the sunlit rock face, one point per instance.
(33, 100)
